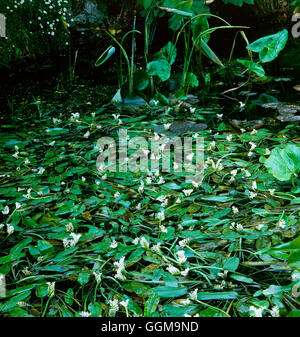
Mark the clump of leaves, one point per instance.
(284, 163)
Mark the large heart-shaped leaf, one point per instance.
(169, 52)
(284, 163)
(160, 68)
(269, 46)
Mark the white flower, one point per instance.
(167, 126)
(250, 154)
(242, 130)
(254, 185)
(116, 195)
(187, 192)
(267, 151)
(163, 229)
(125, 303)
(253, 132)
(233, 174)
(156, 137)
(85, 314)
(71, 242)
(114, 244)
(248, 174)
(272, 191)
(120, 268)
(275, 311)
(185, 272)
(190, 156)
(173, 270)
(144, 243)
(141, 187)
(241, 105)
(136, 241)
(235, 210)
(259, 227)
(223, 274)
(181, 256)
(156, 248)
(18, 205)
(27, 161)
(192, 110)
(51, 288)
(87, 134)
(6, 210)
(148, 180)
(41, 170)
(98, 276)
(211, 146)
(161, 180)
(229, 138)
(193, 295)
(281, 223)
(161, 198)
(56, 120)
(257, 312)
(239, 227)
(219, 116)
(69, 227)
(161, 216)
(114, 307)
(253, 146)
(1, 226)
(184, 242)
(178, 201)
(83, 178)
(10, 229)
(252, 195)
(75, 117)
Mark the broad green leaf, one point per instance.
(140, 80)
(199, 25)
(226, 295)
(241, 278)
(151, 305)
(160, 68)
(146, 3)
(192, 80)
(169, 52)
(167, 292)
(83, 278)
(232, 263)
(269, 46)
(105, 55)
(284, 163)
(294, 260)
(253, 67)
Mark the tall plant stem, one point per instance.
(132, 58)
